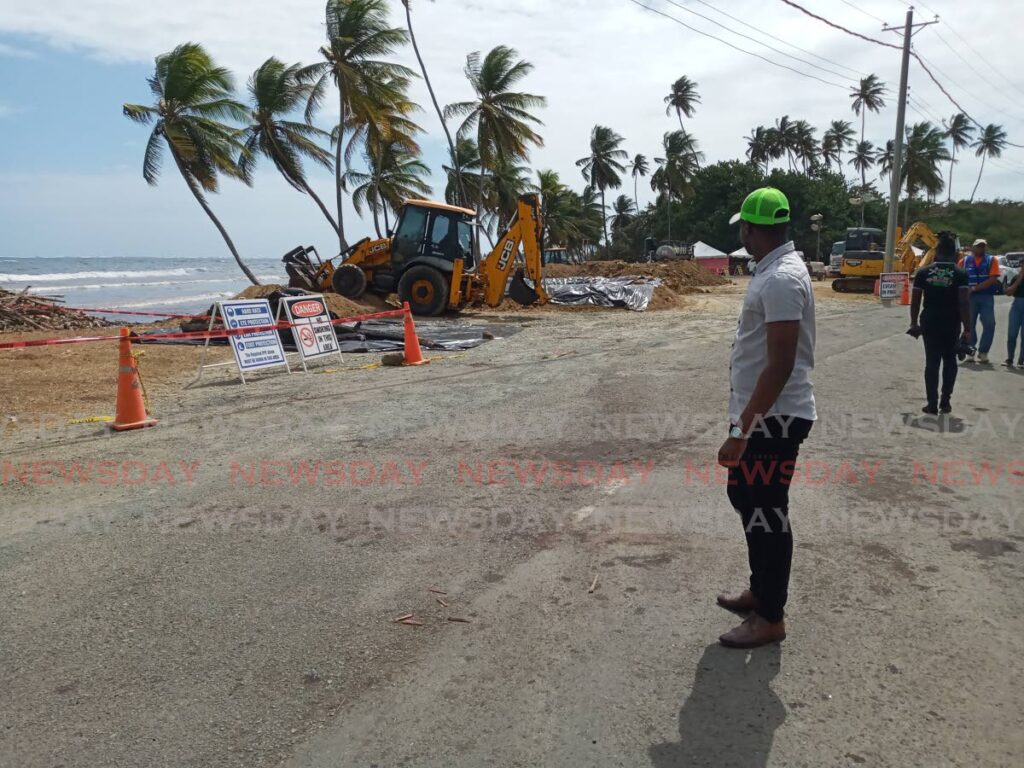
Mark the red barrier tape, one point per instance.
(103, 311)
(220, 333)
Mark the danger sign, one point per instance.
(311, 326)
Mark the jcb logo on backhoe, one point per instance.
(506, 254)
(379, 247)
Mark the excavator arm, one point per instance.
(524, 231)
(918, 231)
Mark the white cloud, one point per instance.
(597, 61)
(13, 52)
(7, 109)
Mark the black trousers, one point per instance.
(759, 491)
(939, 349)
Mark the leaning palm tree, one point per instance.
(275, 92)
(921, 169)
(959, 131)
(462, 198)
(837, 138)
(676, 168)
(393, 175)
(868, 96)
(601, 168)
(683, 99)
(805, 144)
(786, 137)
(638, 169)
(358, 35)
(467, 160)
(990, 143)
(501, 117)
(192, 96)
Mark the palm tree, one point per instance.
(462, 198)
(990, 143)
(959, 131)
(501, 116)
(835, 140)
(467, 160)
(393, 175)
(637, 169)
(920, 170)
(676, 168)
(805, 144)
(683, 99)
(786, 138)
(868, 96)
(507, 180)
(863, 160)
(601, 168)
(276, 91)
(623, 210)
(192, 96)
(759, 147)
(358, 34)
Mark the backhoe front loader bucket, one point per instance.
(520, 292)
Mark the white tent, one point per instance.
(704, 251)
(741, 252)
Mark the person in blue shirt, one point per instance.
(983, 275)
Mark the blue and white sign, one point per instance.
(261, 349)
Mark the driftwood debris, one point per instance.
(24, 312)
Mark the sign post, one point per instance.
(311, 326)
(891, 284)
(253, 351)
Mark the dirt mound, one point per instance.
(338, 305)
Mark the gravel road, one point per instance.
(222, 590)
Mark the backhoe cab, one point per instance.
(429, 261)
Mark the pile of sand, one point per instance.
(338, 305)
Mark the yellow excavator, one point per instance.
(429, 262)
(865, 252)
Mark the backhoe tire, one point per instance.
(426, 290)
(349, 281)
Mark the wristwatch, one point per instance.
(737, 433)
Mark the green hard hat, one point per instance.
(765, 206)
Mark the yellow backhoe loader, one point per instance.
(428, 261)
(865, 251)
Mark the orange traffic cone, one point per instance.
(131, 410)
(878, 288)
(905, 295)
(413, 355)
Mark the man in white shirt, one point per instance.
(771, 411)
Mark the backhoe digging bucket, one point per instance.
(520, 292)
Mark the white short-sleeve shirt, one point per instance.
(779, 291)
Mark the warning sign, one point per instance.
(311, 326)
(891, 284)
(261, 349)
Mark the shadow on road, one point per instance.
(730, 716)
(940, 424)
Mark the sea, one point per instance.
(141, 283)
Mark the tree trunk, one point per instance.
(387, 224)
(216, 222)
(464, 200)
(342, 244)
(636, 196)
(668, 199)
(973, 193)
(949, 183)
(309, 191)
(604, 219)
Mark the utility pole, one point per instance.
(897, 152)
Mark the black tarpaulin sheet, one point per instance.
(634, 293)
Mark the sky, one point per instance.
(70, 163)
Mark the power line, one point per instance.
(736, 47)
(988, 104)
(708, 19)
(998, 89)
(779, 39)
(861, 10)
(923, 66)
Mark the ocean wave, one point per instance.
(178, 300)
(104, 286)
(51, 277)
